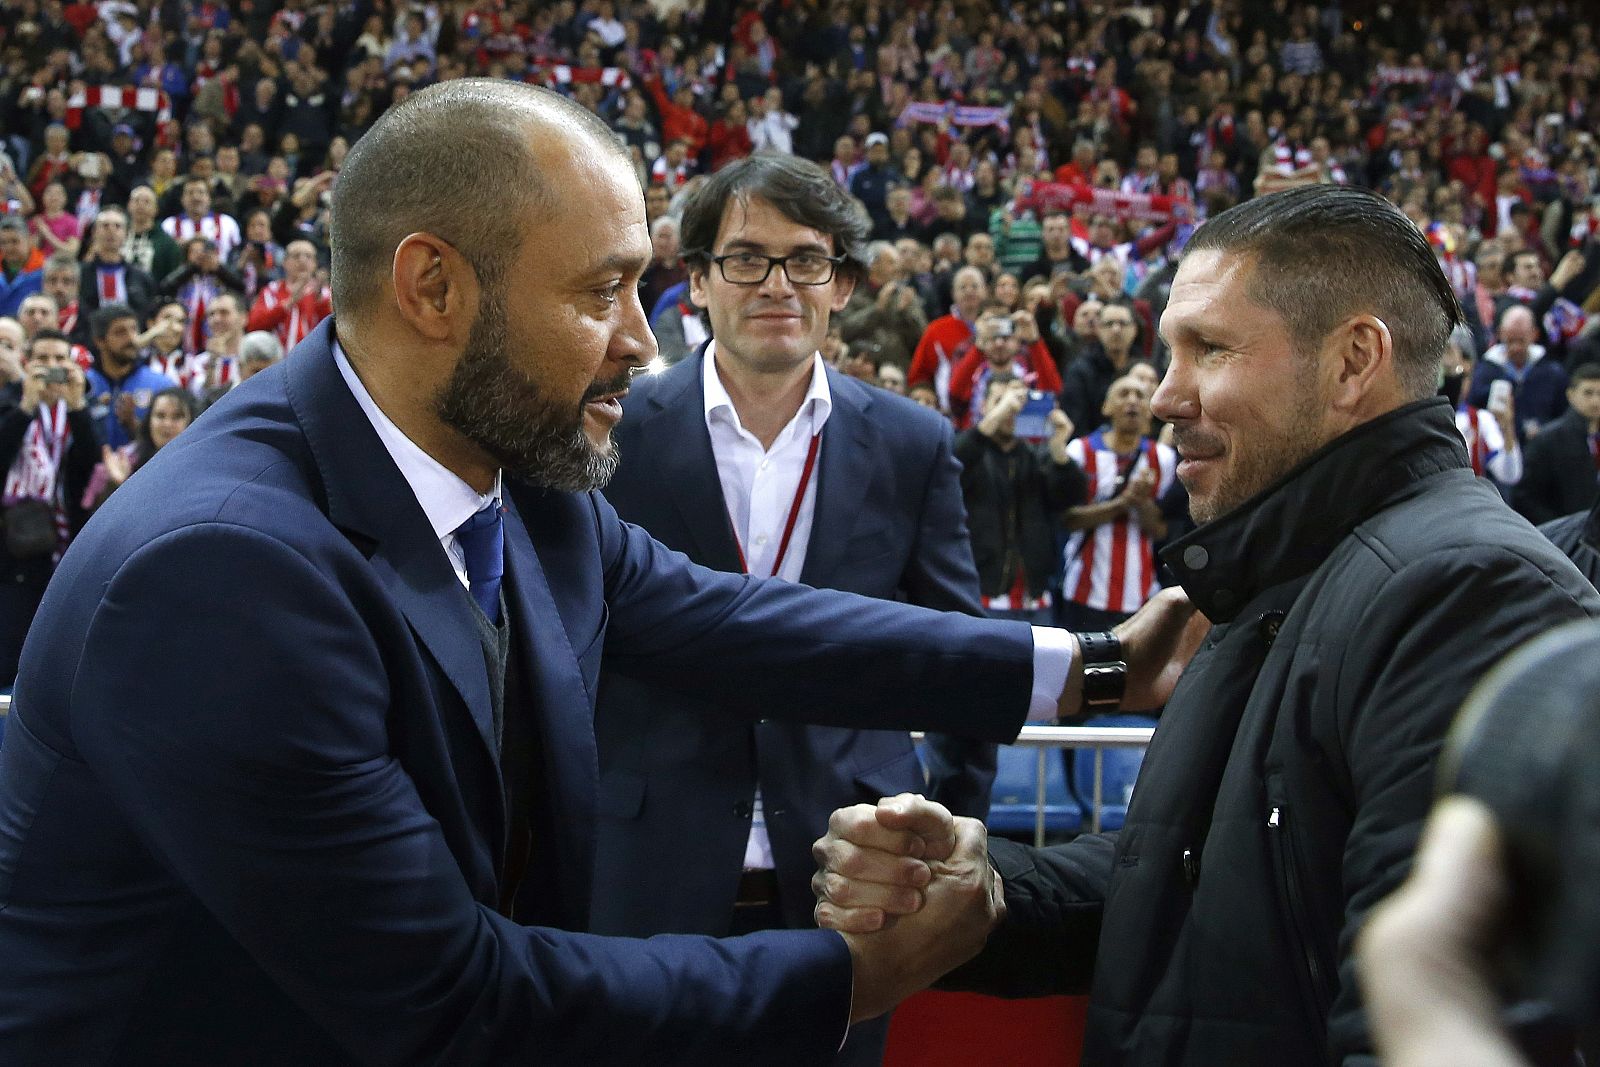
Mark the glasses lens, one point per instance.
(806, 269)
(745, 268)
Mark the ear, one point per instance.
(843, 286)
(698, 295)
(435, 288)
(1364, 353)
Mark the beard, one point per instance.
(504, 412)
(1257, 460)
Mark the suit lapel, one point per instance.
(676, 435)
(561, 711)
(369, 500)
(845, 471)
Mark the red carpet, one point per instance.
(935, 1029)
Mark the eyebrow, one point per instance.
(743, 245)
(618, 263)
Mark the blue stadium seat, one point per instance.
(1118, 772)
(1016, 789)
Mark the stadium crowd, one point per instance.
(1030, 170)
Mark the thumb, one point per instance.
(930, 821)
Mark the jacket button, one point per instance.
(1195, 557)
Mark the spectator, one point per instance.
(13, 344)
(1563, 461)
(1087, 380)
(20, 263)
(47, 451)
(38, 312)
(198, 220)
(1057, 254)
(1109, 563)
(213, 372)
(62, 277)
(120, 386)
(195, 284)
(729, 138)
(161, 344)
(258, 350)
(1538, 385)
(1006, 345)
(55, 229)
(884, 316)
(171, 412)
(674, 166)
(935, 356)
(771, 127)
(148, 247)
(1015, 492)
(292, 306)
(259, 259)
(1490, 435)
(897, 222)
(107, 278)
(872, 181)
(666, 268)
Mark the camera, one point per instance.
(1033, 421)
(57, 376)
(1526, 745)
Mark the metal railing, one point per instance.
(1044, 738)
(1099, 738)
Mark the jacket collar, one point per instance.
(1289, 528)
(845, 467)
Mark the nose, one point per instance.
(777, 283)
(633, 343)
(1174, 400)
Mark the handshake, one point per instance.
(910, 887)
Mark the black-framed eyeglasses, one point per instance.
(801, 268)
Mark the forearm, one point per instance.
(1088, 516)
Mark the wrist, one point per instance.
(1105, 672)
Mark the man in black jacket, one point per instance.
(1360, 580)
(1562, 463)
(1015, 491)
(48, 449)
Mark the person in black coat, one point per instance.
(1015, 491)
(1560, 467)
(1345, 554)
(1578, 536)
(30, 407)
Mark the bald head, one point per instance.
(409, 174)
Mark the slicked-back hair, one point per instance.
(800, 190)
(1322, 253)
(453, 160)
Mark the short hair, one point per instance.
(800, 190)
(240, 304)
(409, 173)
(48, 333)
(878, 248)
(59, 262)
(260, 346)
(1584, 372)
(106, 314)
(1322, 253)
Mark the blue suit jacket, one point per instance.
(249, 809)
(889, 523)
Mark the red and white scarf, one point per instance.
(35, 473)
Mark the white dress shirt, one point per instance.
(758, 487)
(446, 499)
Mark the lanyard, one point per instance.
(794, 512)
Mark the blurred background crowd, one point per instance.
(1031, 171)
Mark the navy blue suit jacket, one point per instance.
(889, 523)
(249, 806)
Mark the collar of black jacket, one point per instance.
(1289, 528)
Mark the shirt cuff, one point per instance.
(1052, 662)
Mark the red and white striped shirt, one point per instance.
(290, 320)
(1112, 567)
(219, 228)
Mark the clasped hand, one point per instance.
(910, 888)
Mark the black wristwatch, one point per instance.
(1105, 671)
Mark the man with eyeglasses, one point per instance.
(752, 455)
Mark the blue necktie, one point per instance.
(483, 543)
